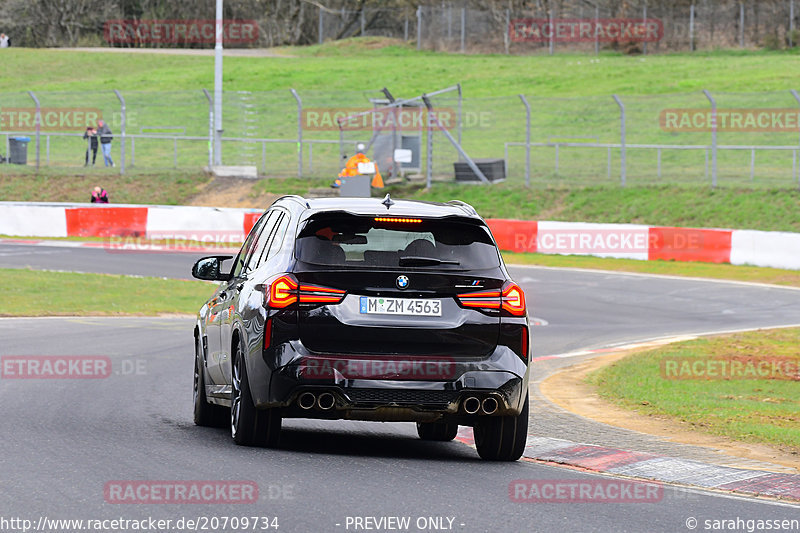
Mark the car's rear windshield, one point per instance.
(382, 242)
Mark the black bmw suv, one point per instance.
(364, 309)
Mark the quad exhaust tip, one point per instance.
(489, 405)
(326, 401)
(307, 400)
(472, 405)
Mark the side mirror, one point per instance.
(208, 268)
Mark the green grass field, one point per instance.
(570, 95)
(336, 66)
(38, 293)
(738, 406)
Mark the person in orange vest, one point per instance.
(351, 169)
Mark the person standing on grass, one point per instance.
(5, 42)
(105, 142)
(99, 196)
(91, 136)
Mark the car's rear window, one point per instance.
(358, 241)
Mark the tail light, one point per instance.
(513, 300)
(510, 300)
(282, 292)
(524, 344)
(285, 291)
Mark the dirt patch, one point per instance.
(232, 192)
(568, 389)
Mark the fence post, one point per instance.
(124, 111)
(553, 33)
(791, 21)
(527, 139)
(218, 96)
(713, 138)
(458, 118)
(210, 128)
(419, 28)
(299, 133)
(596, 25)
(38, 125)
(797, 97)
(464, 29)
(405, 27)
(320, 27)
(449, 25)
(644, 16)
(506, 36)
(623, 161)
(741, 24)
(363, 22)
(429, 150)
(691, 28)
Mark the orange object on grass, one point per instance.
(351, 169)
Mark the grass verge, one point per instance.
(760, 209)
(743, 408)
(45, 293)
(52, 185)
(331, 66)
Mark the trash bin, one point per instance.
(355, 187)
(18, 150)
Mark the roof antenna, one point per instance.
(387, 201)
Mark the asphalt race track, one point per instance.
(65, 440)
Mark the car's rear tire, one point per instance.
(502, 438)
(441, 431)
(250, 426)
(205, 414)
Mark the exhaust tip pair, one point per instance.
(472, 405)
(308, 400)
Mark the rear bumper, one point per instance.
(392, 388)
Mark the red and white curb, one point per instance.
(651, 467)
(630, 241)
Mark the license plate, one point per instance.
(400, 306)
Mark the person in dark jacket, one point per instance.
(105, 142)
(91, 135)
(99, 196)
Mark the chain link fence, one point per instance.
(552, 27)
(725, 139)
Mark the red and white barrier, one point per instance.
(629, 241)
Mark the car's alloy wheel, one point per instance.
(441, 431)
(205, 414)
(502, 438)
(250, 426)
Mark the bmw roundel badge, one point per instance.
(402, 282)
